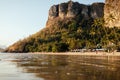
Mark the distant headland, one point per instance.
(71, 26)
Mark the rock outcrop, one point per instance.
(64, 21)
(112, 13)
(1, 49)
(72, 9)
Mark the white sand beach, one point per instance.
(81, 53)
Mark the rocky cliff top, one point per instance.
(72, 9)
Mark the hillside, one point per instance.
(71, 26)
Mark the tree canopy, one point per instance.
(69, 35)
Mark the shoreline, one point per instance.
(80, 53)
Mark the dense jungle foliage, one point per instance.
(71, 34)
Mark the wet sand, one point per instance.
(57, 66)
(10, 71)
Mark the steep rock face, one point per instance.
(63, 10)
(112, 13)
(73, 9)
(53, 11)
(97, 10)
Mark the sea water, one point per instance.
(27, 66)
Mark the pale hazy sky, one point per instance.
(21, 18)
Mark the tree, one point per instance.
(60, 47)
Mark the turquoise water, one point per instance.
(48, 67)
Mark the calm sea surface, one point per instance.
(48, 67)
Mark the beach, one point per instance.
(60, 66)
(81, 53)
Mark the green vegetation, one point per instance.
(73, 34)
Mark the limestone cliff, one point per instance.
(112, 13)
(74, 9)
(67, 22)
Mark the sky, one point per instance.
(21, 18)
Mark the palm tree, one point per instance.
(98, 22)
(111, 18)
